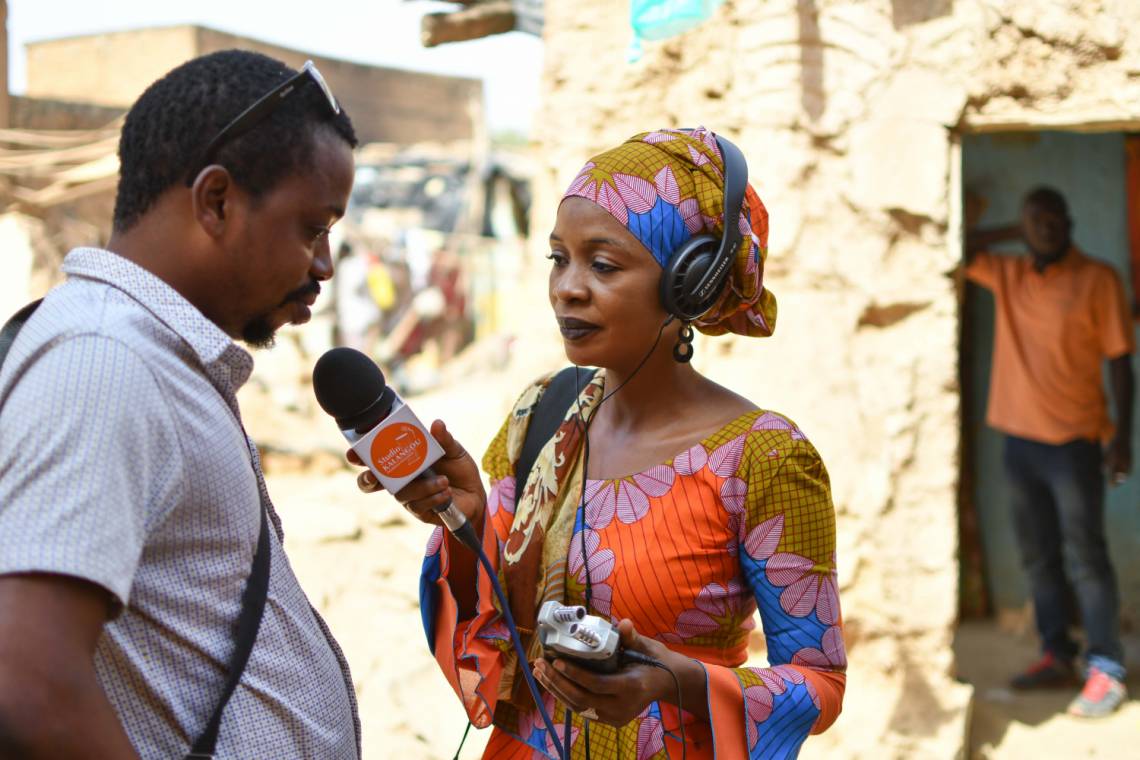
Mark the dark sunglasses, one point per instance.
(262, 108)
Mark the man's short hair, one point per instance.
(1047, 198)
(171, 123)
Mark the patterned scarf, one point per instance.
(667, 186)
(535, 551)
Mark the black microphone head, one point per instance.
(351, 388)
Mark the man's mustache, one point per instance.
(313, 289)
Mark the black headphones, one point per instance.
(696, 274)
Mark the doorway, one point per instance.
(1091, 171)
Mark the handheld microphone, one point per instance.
(398, 449)
(381, 428)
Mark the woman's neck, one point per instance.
(648, 394)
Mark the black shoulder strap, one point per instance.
(546, 418)
(12, 327)
(245, 633)
(252, 598)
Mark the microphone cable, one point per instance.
(644, 659)
(584, 427)
(524, 664)
(466, 535)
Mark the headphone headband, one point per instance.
(697, 273)
(735, 182)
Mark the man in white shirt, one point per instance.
(130, 496)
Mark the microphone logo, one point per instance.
(399, 450)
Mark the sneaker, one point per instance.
(1101, 696)
(1047, 673)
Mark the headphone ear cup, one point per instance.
(681, 276)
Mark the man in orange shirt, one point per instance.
(1059, 315)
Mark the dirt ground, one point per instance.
(1007, 725)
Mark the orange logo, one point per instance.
(399, 450)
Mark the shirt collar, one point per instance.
(226, 363)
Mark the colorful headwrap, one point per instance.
(667, 186)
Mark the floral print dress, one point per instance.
(689, 550)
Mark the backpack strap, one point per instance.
(245, 634)
(12, 327)
(252, 598)
(547, 416)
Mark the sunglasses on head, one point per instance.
(261, 109)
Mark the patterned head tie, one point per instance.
(667, 186)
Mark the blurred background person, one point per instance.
(355, 289)
(1060, 316)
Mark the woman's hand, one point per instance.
(456, 479)
(616, 698)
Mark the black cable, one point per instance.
(644, 659)
(584, 428)
(462, 741)
(524, 666)
(680, 712)
(468, 537)
(580, 512)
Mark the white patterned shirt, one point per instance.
(123, 462)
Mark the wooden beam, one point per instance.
(5, 105)
(471, 23)
(1132, 180)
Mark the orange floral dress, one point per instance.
(689, 550)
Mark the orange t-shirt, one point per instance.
(1054, 329)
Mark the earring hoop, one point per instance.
(683, 349)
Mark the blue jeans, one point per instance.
(1058, 513)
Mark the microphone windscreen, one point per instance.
(350, 387)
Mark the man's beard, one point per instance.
(259, 332)
(1051, 255)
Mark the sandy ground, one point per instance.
(359, 557)
(1007, 725)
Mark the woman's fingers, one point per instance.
(452, 448)
(422, 489)
(631, 639)
(368, 483)
(423, 495)
(628, 633)
(596, 683)
(562, 689)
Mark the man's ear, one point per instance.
(211, 196)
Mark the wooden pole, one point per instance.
(4, 105)
(1132, 180)
(471, 23)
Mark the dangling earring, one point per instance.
(683, 349)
